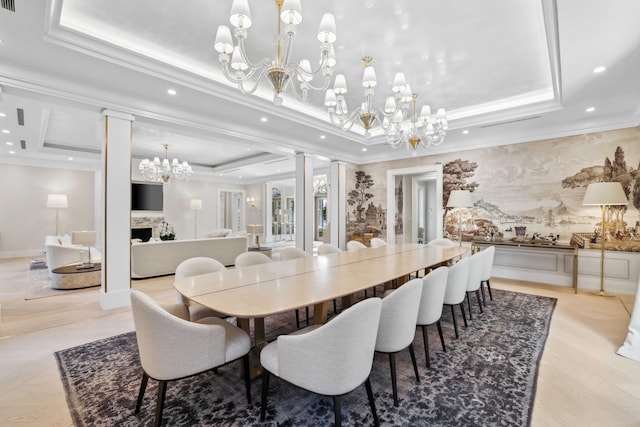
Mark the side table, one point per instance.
(72, 277)
(262, 249)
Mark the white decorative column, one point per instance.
(304, 202)
(338, 204)
(116, 250)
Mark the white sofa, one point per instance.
(60, 252)
(150, 259)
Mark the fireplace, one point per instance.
(143, 233)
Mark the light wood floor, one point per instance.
(582, 382)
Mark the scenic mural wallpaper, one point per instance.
(538, 185)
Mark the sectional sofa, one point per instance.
(149, 259)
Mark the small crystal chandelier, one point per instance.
(163, 172)
(237, 68)
(400, 126)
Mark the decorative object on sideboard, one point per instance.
(58, 201)
(604, 194)
(460, 199)
(399, 120)
(195, 205)
(84, 238)
(163, 172)
(166, 232)
(238, 69)
(257, 230)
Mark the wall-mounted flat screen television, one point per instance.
(146, 197)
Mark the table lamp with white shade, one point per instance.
(460, 199)
(195, 205)
(604, 194)
(58, 201)
(256, 229)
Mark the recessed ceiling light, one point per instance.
(3, 115)
(6, 131)
(264, 119)
(466, 131)
(599, 69)
(323, 136)
(364, 149)
(590, 109)
(172, 92)
(70, 158)
(240, 176)
(278, 170)
(404, 27)
(12, 152)
(9, 143)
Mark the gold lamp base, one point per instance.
(603, 294)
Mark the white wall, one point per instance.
(25, 219)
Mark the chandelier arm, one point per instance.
(253, 66)
(229, 75)
(345, 123)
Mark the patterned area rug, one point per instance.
(486, 378)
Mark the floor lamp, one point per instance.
(57, 201)
(460, 199)
(195, 205)
(604, 194)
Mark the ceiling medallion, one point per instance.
(399, 122)
(163, 172)
(279, 70)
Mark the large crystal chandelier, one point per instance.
(163, 172)
(399, 122)
(279, 70)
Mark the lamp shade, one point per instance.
(255, 228)
(57, 201)
(604, 193)
(195, 204)
(460, 199)
(83, 237)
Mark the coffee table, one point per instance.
(72, 277)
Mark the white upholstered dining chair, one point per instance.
(295, 253)
(486, 272)
(476, 264)
(442, 241)
(434, 285)
(171, 347)
(354, 245)
(331, 359)
(457, 290)
(397, 326)
(251, 258)
(193, 267)
(328, 248)
(377, 242)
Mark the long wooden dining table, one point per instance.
(257, 291)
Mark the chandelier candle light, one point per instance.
(163, 172)
(400, 126)
(279, 70)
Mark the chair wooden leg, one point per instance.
(143, 387)
(372, 402)
(337, 410)
(441, 336)
(489, 289)
(297, 319)
(413, 360)
(464, 316)
(469, 303)
(247, 376)
(455, 322)
(265, 391)
(335, 307)
(394, 384)
(478, 298)
(425, 337)
(307, 312)
(162, 392)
